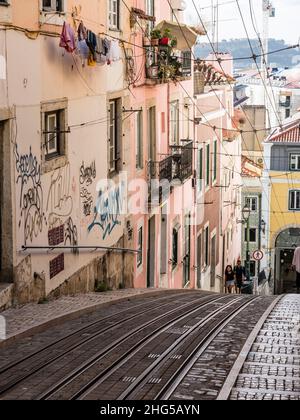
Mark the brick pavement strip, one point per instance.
(272, 370)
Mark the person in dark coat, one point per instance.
(240, 275)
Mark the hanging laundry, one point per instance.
(82, 32)
(83, 49)
(91, 61)
(92, 43)
(100, 55)
(115, 51)
(106, 47)
(67, 38)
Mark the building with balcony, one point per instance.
(281, 202)
(218, 173)
(163, 158)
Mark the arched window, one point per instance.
(289, 238)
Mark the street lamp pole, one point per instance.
(246, 217)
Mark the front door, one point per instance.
(287, 277)
(151, 253)
(199, 260)
(187, 252)
(213, 263)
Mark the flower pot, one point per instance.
(147, 42)
(154, 42)
(164, 41)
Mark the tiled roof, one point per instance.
(211, 75)
(289, 134)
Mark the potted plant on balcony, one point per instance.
(166, 37)
(155, 37)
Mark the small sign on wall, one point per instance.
(57, 266)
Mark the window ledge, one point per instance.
(54, 164)
(52, 18)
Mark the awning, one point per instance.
(186, 35)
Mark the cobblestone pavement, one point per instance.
(206, 378)
(272, 369)
(21, 319)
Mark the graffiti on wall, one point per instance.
(87, 176)
(59, 201)
(71, 234)
(108, 210)
(31, 194)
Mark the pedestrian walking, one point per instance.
(240, 276)
(229, 279)
(296, 265)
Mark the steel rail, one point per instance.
(85, 391)
(104, 352)
(36, 368)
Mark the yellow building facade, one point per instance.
(281, 203)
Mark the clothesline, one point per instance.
(90, 47)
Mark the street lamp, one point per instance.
(246, 216)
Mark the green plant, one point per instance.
(155, 34)
(173, 42)
(102, 288)
(167, 33)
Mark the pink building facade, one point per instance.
(164, 152)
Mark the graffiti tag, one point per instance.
(107, 211)
(87, 174)
(31, 194)
(59, 201)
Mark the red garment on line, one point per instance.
(67, 38)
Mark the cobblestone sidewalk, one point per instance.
(24, 318)
(272, 370)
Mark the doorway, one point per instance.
(213, 263)
(285, 275)
(199, 261)
(151, 253)
(6, 212)
(187, 252)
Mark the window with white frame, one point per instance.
(252, 203)
(114, 14)
(54, 133)
(53, 5)
(294, 200)
(295, 162)
(174, 122)
(149, 7)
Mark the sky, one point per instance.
(284, 26)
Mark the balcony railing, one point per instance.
(179, 165)
(163, 65)
(183, 160)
